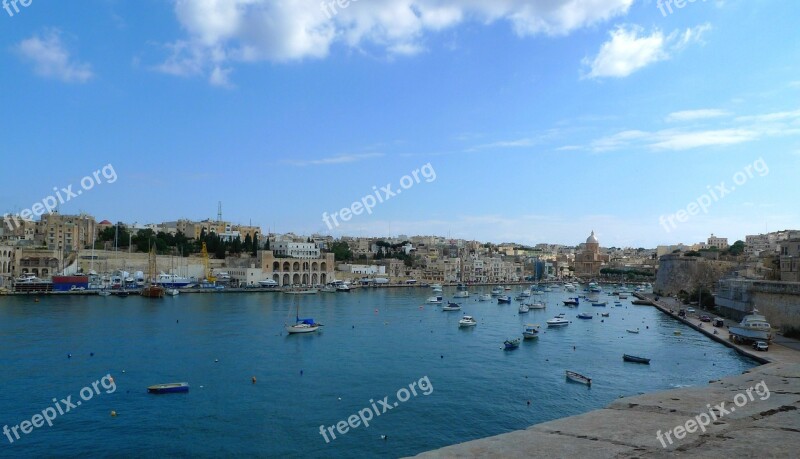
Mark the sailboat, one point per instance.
(302, 325)
(172, 291)
(152, 290)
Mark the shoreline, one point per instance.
(629, 427)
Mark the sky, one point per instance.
(532, 121)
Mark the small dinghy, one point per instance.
(633, 331)
(634, 359)
(171, 388)
(578, 378)
(511, 344)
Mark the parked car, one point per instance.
(705, 319)
(681, 313)
(761, 346)
(690, 310)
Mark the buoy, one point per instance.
(301, 372)
(529, 403)
(441, 356)
(254, 379)
(123, 371)
(69, 356)
(216, 360)
(113, 414)
(91, 354)
(384, 437)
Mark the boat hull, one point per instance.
(172, 388)
(634, 359)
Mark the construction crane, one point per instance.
(204, 254)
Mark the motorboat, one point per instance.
(558, 321)
(631, 330)
(600, 304)
(171, 281)
(634, 359)
(578, 378)
(434, 300)
(569, 287)
(623, 296)
(172, 292)
(451, 307)
(605, 314)
(436, 287)
(524, 309)
(341, 286)
(511, 344)
(525, 293)
(504, 300)
(170, 388)
(753, 326)
(485, 297)
(328, 289)
(585, 315)
(497, 291)
(572, 302)
(467, 321)
(461, 294)
(530, 331)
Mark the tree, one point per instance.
(248, 244)
(736, 249)
(341, 251)
(255, 244)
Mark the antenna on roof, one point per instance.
(219, 211)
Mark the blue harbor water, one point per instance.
(375, 342)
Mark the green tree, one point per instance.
(341, 251)
(255, 245)
(737, 248)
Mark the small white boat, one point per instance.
(434, 300)
(268, 283)
(302, 325)
(525, 293)
(461, 294)
(307, 291)
(437, 290)
(524, 309)
(497, 291)
(436, 287)
(328, 289)
(485, 297)
(578, 378)
(467, 321)
(451, 307)
(558, 321)
(172, 292)
(530, 331)
(633, 330)
(536, 305)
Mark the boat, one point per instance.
(558, 321)
(268, 283)
(434, 300)
(601, 304)
(504, 300)
(524, 309)
(437, 290)
(302, 325)
(152, 289)
(170, 388)
(511, 344)
(328, 289)
(605, 314)
(572, 302)
(104, 292)
(536, 305)
(461, 294)
(341, 287)
(630, 330)
(578, 378)
(548, 289)
(585, 315)
(172, 281)
(467, 321)
(676, 333)
(497, 291)
(451, 307)
(623, 296)
(485, 297)
(172, 292)
(436, 287)
(569, 287)
(302, 291)
(507, 288)
(642, 303)
(753, 326)
(525, 293)
(634, 359)
(530, 331)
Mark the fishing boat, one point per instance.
(524, 309)
(170, 388)
(558, 321)
(572, 302)
(434, 300)
(485, 297)
(504, 300)
(467, 321)
(536, 305)
(451, 307)
(634, 359)
(578, 378)
(268, 283)
(585, 315)
(633, 330)
(753, 326)
(511, 344)
(302, 325)
(530, 331)
(600, 304)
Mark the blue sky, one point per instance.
(543, 120)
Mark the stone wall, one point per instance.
(676, 273)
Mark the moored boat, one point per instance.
(634, 359)
(302, 325)
(558, 321)
(633, 330)
(467, 321)
(572, 302)
(485, 297)
(530, 331)
(451, 307)
(434, 300)
(523, 309)
(511, 343)
(536, 305)
(504, 300)
(579, 378)
(585, 315)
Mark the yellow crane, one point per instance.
(204, 254)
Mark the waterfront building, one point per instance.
(40, 262)
(6, 265)
(295, 249)
(297, 271)
(589, 261)
(720, 243)
(65, 232)
(790, 260)
(367, 270)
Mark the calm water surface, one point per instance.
(375, 342)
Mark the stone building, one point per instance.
(589, 261)
(296, 271)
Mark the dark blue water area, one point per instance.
(374, 343)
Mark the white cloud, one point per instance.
(51, 59)
(220, 32)
(630, 49)
(695, 115)
(341, 159)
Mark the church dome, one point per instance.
(592, 239)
